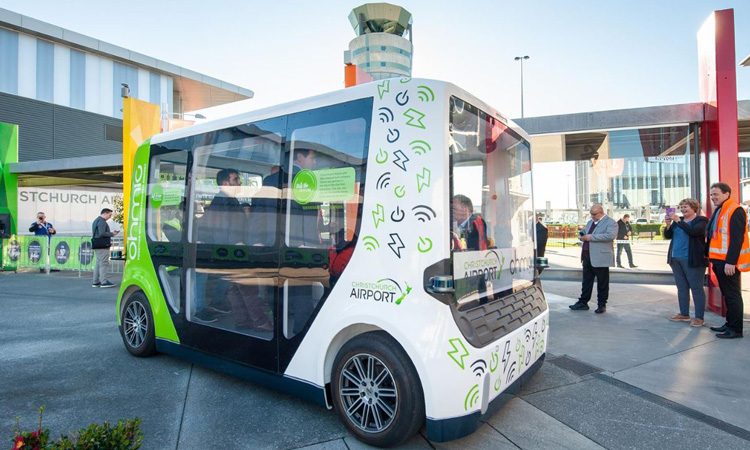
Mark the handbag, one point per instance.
(100, 242)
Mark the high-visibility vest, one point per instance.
(718, 246)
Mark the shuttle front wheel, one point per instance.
(376, 390)
(137, 328)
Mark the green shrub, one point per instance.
(126, 435)
(655, 228)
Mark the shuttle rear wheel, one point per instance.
(137, 328)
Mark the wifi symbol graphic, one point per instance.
(383, 181)
(385, 114)
(370, 243)
(420, 147)
(479, 367)
(424, 213)
(472, 397)
(425, 94)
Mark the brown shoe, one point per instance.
(696, 323)
(680, 318)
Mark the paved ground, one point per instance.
(625, 379)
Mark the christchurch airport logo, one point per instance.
(490, 266)
(136, 210)
(386, 290)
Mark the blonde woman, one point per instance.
(687, 258)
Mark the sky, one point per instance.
(585, 55)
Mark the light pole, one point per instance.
(521, 59)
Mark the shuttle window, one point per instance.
(491, 209)
(166, 196)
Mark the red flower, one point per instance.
(18, 442)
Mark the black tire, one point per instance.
(396, 399)
(137, 325)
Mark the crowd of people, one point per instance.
(695, 241)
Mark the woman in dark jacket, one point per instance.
(687, 258)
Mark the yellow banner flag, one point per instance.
(140, 121)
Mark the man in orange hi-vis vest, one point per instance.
(729, 253)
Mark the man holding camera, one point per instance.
(41, 227)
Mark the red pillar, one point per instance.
(718, 92)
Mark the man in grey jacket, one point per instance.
(597, 256)
(101, 241)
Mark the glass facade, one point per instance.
(8, 61)
(87, 73)
(154, 92)
(45, 70)
(77, 79)
(641, 173)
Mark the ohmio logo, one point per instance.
(136, 211)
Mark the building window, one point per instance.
(154, 92)
(8, 61)
(77, 79)
(45, 70)
(123, 74)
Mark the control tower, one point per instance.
(381, 48)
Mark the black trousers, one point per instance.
(730, 289)
(601, 274)
(628, 251)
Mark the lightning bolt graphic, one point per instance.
(415, 118)
(396, 244)
(378, 215)
(423, 179)
(401, 160)
(384, 87)
(456, 343)
(506, 355)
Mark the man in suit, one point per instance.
(729, 253)
(597, 256)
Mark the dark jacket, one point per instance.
(101, 236)
(541, 238)
(696, 231)
(623, 229)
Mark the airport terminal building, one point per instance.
(63, 91)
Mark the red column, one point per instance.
(718, 92)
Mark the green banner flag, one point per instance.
(33, 252)
(11, 253)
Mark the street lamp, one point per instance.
(521, 59)
(183, 115)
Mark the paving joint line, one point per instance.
(664, 356)
(184, 406)
(563, 423)
(503, 435)
(656, 399)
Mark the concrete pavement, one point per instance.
(625, 379)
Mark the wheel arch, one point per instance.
(163, 325)
(349, 333)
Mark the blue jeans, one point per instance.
(689, 279)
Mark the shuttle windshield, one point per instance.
(492, 218)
